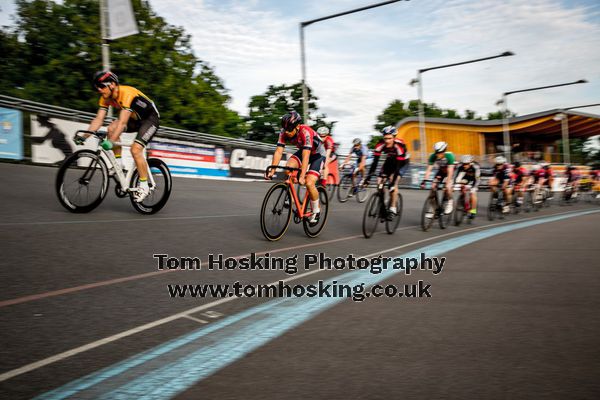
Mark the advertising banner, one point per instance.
(251, 164)
(190, 159)
(11, 134)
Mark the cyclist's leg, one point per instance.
(146, 132)
(312, 176)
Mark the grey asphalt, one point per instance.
(513, 316)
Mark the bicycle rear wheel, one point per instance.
(492, 205)
(392, 224)
(459, 213)
(344, 188)
(362, 192)
(314, 230)
(160, 191)
(276, 212)
(82, 181)
(371, 215)
(331, 186)
(428, 213)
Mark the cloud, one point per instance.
(359, 63)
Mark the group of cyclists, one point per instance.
(317, 150)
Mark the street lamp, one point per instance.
(504, 103)
(564, 127)
(419, 81)
(302, 52)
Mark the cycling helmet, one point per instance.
(544, 164)
(290, 121)
(440, 147)
(104, 78)
(499, 160)
(535, 167)
(571, 167)
(356, 141)
(389, 130)
(323, 131)
(517, 164)
(466, 159)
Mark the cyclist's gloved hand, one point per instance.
(423, 182)
(79, 140)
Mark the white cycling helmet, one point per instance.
(356, 141)
(500, 160)
(466, 159)
(440, 147)
(323, 131)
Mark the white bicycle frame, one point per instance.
(124, 180)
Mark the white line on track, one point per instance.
(185, 314)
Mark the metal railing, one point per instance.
(168, 132)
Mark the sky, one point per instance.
(357, 64)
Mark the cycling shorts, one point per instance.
(315, 162)
(145, 128)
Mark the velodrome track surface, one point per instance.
(84, 311)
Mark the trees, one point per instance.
(59, 51)
(267, 109)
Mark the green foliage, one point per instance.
(56, 48)
(267, 109)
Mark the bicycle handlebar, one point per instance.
(99, 135)
(270, 167)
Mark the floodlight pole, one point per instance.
(303, 53)
(505, 127)
(419, 81)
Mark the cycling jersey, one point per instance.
(470, 174)
(397, 156)
(328, 143)
(518, 174)
(572, 176)
(305, 139)
(360, 151)
(501, 173)
(539, 174)
(133, 100)
(442, 163)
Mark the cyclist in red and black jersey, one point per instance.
(396, 163)
(549, 177)
(329, 145)
(309, 157)
(520, 179)
(501, 180)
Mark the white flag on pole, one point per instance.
(121, 20)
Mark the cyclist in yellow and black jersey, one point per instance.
(137, 113)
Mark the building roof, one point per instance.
(545, 123)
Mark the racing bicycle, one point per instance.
(282, 202)
(346, 188)
(378, 210)
(83, 179)
(434, 208)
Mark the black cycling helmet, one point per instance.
(290, 121)
(104, 78)
(517, 164)
(388, 130)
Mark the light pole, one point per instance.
(504, 102)
(564, 127)
(419, 81)
(303, 24)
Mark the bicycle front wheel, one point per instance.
(276, 212)
(428, 213)
(82, 181)
(392, 224)
(160, 190)
(459, 213)
(371, 215)
(313, 230)
(362, 192)
(345, 188)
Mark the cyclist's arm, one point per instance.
(122, 122)
(450, 175)
(277, 156)
(98, 120)
(305, 158)
(428, 172)
(477, 176)
(363, 161)
(328, 156)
